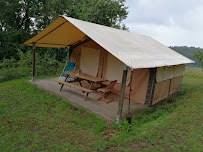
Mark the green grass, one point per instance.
(32, 119)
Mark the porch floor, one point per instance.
(92, 105)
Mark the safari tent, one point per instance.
(157, 71)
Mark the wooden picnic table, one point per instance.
(84, 76)
(80, 77)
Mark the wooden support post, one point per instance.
(122, 94)
(130, 89)
(33, 62)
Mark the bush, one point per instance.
(45, 65)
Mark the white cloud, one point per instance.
(172, 22)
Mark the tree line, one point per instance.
(193, 53)
(22, 19)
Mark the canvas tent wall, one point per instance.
(140, 80)
(141, 53)
(168, 82)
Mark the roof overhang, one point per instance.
(60, 34)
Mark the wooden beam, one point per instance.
(33, 62)
(130, 89)
(122, 95)
(78, 43)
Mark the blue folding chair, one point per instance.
(70, 67)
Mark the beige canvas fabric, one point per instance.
(89, 61)
(160, 91)
(164, 73)
(178, 70)
(114, 70)
(176, 83)
(139, 86)
(135, 50)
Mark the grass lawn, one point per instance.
(32, 119)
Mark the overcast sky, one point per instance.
(172, 22)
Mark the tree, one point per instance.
(199, 56)
(22, 19)
(16, 24)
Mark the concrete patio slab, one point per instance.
(92, 105)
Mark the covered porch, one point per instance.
(76, 97)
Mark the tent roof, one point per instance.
(135, 50)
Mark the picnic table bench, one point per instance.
(80, 77)
(75, 86)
